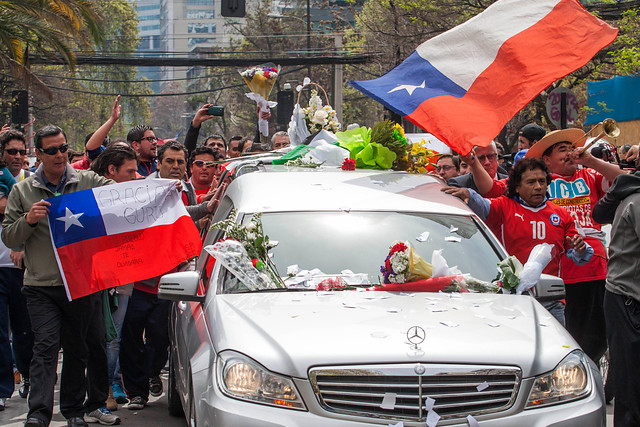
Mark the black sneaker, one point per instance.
(155, 386)
(23, 391)
(136, 402)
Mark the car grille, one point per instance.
(359, 390)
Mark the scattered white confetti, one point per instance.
(483, 386)
(293, 316)
(378, 335)
(369, 295)
(384, 297)
(432, 298)
(432, 418)
(494, 325)
(428, 403)
(347, 305)
(453, 239)
(295, 300)
(373, 181)
(453, 229)
(398, 424)
(543, 324)
(472, 421)
(511, 317)
(326, 293)
(292, 270)
(480, 316)
(450, 324)
(454, 295)
(476, 305)
(437, 309)
(388, 401)
(423, 237)
(406, 294)
(394, 310)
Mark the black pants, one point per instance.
(145, 342)
(79, 326)
(623, 333)
(584, 315)
(13, 310)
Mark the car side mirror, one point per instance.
(181, 286)
(549, 288)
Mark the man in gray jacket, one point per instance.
(621, 205)
(78, 324)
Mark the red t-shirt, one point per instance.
(578, 195)
(201, 193)
(520, 228)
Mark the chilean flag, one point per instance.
(121, 233)
(465, 84)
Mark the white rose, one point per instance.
(251, 236)
(319, 117)
(251, 226)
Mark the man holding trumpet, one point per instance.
(579, 181)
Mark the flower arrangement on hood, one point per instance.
(319, 116)
(255, 243)
(384, 146)
(403, 264)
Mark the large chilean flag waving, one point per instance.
(465, 84)
(121, 233)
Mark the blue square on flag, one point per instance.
(77, 219)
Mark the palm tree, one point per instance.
(45, 27)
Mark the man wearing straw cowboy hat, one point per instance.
(579, 181)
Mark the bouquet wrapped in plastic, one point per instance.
(517, 278)
(403, 264)
(234, 257)
(260, 80)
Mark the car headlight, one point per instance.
(244, 378)
(570, 380)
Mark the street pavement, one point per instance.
(153, 415)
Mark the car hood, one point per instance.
(290, 332)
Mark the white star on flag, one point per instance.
(409, 88)
(70, 219)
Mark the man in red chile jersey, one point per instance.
(579, 181)
(524, 218)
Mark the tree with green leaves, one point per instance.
(45, 27)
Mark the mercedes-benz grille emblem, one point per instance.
(416, 335)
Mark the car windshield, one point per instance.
(313, 246)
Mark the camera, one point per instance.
(215, 111)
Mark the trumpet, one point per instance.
(609, 128)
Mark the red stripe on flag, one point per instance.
(105, 262)
(560, 43)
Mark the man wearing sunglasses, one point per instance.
(485, 157)
(13, 305)
(79, 324)
(144, 141)
(203, 170)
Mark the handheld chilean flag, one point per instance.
(121, 233)
(465, 84)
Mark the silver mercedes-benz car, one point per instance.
(296, 356)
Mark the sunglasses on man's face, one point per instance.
(14, 151)
(53, 150)
(202, 163)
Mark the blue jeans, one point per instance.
(13, 309)
(556, 308)
(113, 346)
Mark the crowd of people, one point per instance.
(551, 194)
(33, 302)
